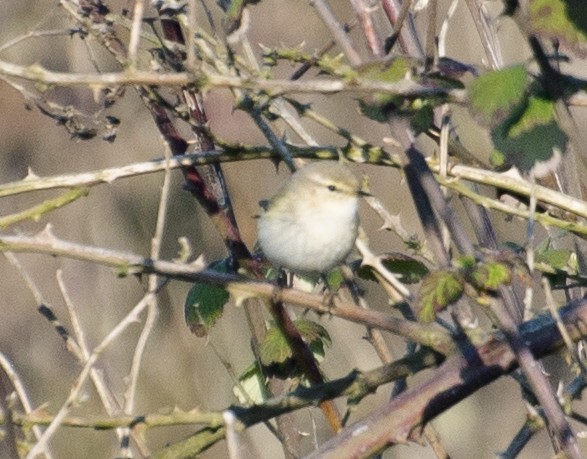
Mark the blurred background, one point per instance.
(179, 369)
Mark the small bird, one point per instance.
(311, 224)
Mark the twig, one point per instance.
(233, 438)
(277, 143)
(107, 398)
(207, 80)
(337, 31)
(135, 32)
(152, 311)
(453, 381)
(393, 223)
(486, 33)
(36, 212)
(401, 19)
(370, 259)
(23, 397)
(571, 349)
(75, 392)
(533, 424)
(536, 379)
(126, 262)
(364, 15)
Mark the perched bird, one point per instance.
(311, 224)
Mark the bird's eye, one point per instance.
(331, 188)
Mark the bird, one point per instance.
(310, 225)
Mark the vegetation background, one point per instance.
(180, 370)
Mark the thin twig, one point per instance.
(364, 14)
(135, 32)
(22, 394)
(106, 395)
(486, 32)
(337, 31)
(208, 80)
(76, 390)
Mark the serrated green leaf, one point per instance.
(530, 136)
(490, 275)
(493, 95)
(379, 106)
(555, 258)
(276, 350)
(422, 118)
(438, 290)
(251, 386)
(466, 262)
(395, 70)
(563, 20)
(312, 331)
(409, 270)
(334, 279)
(204, 303)
(537, 111)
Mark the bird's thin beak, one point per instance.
(364, 194)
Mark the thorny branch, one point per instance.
(214, 63)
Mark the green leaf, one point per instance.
(563, 20)
(379, 106)
(252, 387)
(438, 290)
(466, 262)
(423, 116)
(555, 258)
(493, 95)
(490, 275)
(530, 135)
(395, 70)
(408, 269)
(276, 350)
(537, 111)
(334, 279)
(312, 331)
(523, 125)
(204, 303)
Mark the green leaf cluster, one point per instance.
(204, 303)
(276, 359)
(561, 20)
(379, 106)
(276, 350)
(326, 64)
(521, 117)
(408, 269)
(474, 278)
(438, 290)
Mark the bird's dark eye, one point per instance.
(331, 187)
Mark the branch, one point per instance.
(127, 263)
(207, 80)
(90, 178)
(36, 212)
(452, 382)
